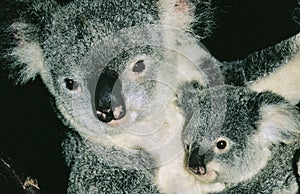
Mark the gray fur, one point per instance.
(77, 41)
(262, 132)
(97, 169)
(260, 63)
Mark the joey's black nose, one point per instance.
(196, 162)
(108, 97)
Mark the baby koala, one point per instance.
(244, 140)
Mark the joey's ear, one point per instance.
(280, 123)
(28, 59)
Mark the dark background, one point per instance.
(30, 131)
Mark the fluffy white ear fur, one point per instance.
(279, 123)
(177, 13)
(29, 55)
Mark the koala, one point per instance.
(106, 63)
(277, 66)
(246, 141)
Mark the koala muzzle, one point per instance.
(196, 162)
(108, 97)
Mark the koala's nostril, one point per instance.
(108, 97)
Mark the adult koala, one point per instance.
(106, 64)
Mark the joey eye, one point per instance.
(221, 144)
(71, 84)
(139, 67)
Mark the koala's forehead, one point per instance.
(225, 112)
(242, 114)
(92, 18)
(73, 30)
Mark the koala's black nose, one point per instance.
(108, 97)
(196, 162)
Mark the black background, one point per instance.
(31, 133)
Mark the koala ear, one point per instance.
(27, 55)
(182, 13)
(280, 123)
(178, 13)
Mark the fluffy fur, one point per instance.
(97, 169)
(273, 69)
(76, 42)
(261, 132)
(71, 45)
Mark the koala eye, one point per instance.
(222, 144)
(139, 67)
(71, 84)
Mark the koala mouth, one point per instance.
(198, 170)
(108, 97)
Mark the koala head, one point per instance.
(111, 67)
(230, 135)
